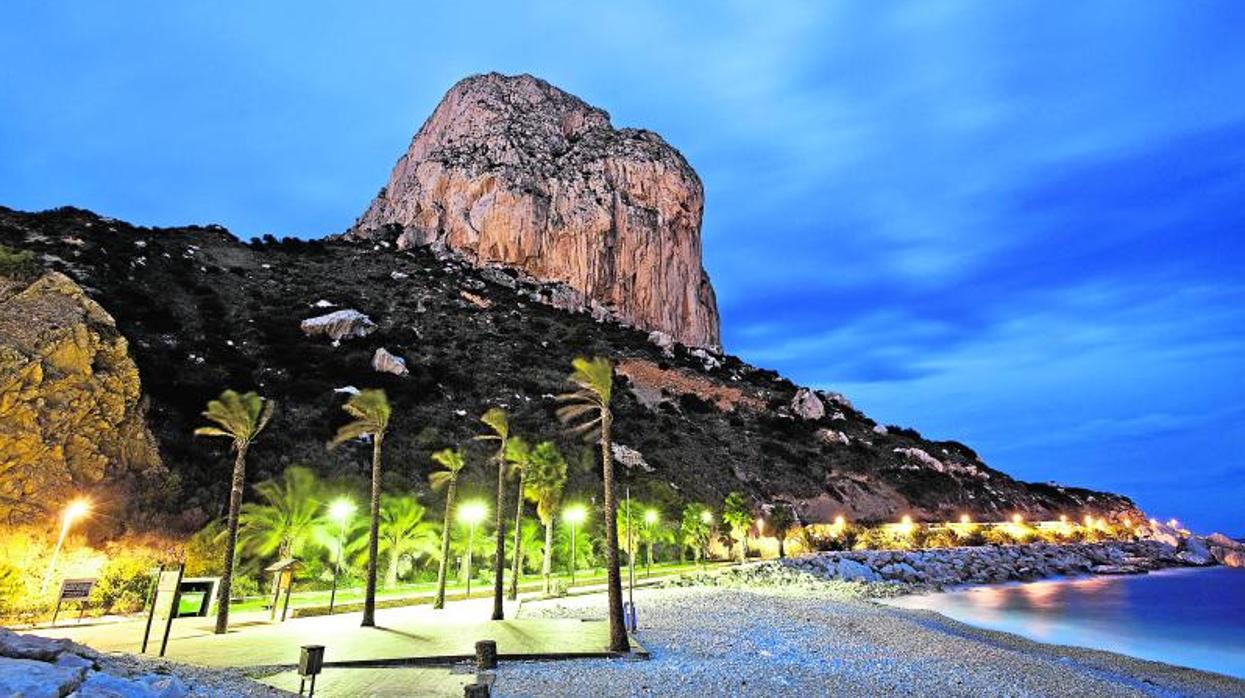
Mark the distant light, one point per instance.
(651, 516)
(1089, 521)
(965, 519)
(341, 510)
(1174, 523)
(77, 509)
(760, 525)
(575, 514)
(905, 525)
(1063, 518)
(472, 512)
(1017, 519)
(840, 521)
(706, 516)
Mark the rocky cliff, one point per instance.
(513, 171)
(304, 322)
(71, 414)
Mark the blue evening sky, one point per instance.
(1017, 224)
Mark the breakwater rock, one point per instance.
(885, 570)
(38, 666)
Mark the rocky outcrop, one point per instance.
(1226, 551)
(70, 400)
(806, 405)
(511, 170)
(339, 325)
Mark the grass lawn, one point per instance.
(479, 588)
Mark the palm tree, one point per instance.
(694, 530)
(652, 530)
(495, 419)
(289, 517)
(738, 515)
(452, 463)
(241, 418)
(370, 409)
(782, 519)
(545, 478)
(404, 533)
(594, 381)
(518, 455)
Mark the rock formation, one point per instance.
(70, 411)
(513, 171)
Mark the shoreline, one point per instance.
(1068, 628)
(779, 641)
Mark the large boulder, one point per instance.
(510, 170)
(339, 325)
(1196, 552)
(29, 678)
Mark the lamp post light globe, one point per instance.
(706, 516)
(651, 516)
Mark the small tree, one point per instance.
(288, 518)
(782, 519)
(738, 515)
(371, 411)
(694, 530)
(452, 464)
(545, 479)
(240, 418)
(404, 533)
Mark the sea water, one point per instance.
(1188, 617)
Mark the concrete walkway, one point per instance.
(408, 635)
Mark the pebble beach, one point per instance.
(706, 641)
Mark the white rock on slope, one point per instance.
(339, 325)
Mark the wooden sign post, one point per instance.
(282, 582)
(74, 590)
(164, 604)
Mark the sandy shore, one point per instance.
(712, 641)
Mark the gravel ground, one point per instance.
(716, 641)
(200, 681)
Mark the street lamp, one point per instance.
(340, 512)
(76, 509)
(651, 517)
(574, 515)
(471, 513)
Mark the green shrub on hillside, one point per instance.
(18, 264)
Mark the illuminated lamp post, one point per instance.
(340, 512)
(651, 517)
(77, 509)
(574, 515)
(471, 513)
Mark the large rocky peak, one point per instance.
(510, 170)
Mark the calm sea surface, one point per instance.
(1188, 617)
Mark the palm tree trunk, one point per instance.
(618, 632)
(369, 599)
(546, 569)
(499, 553)
(439, 602)
(782, 551)
(231, 541)
(517, 563)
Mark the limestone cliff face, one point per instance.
(513, 171)
(70, 412)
